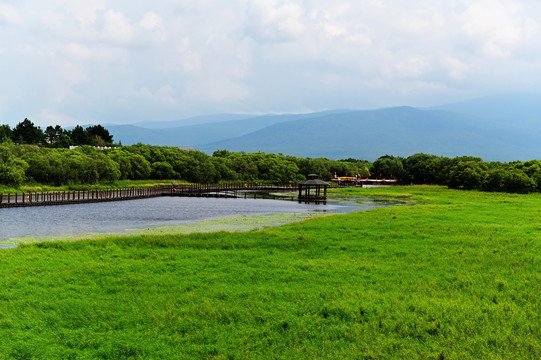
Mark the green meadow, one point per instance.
(457, 276)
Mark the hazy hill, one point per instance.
(398, 131)
(196, 120)
(506, 111)
(503, 128)
(203, 133)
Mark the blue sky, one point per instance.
(77, 61)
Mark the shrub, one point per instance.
(512, 181)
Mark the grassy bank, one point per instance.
(456, 278)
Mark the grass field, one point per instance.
(457, 277)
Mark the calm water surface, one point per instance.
(114, 217)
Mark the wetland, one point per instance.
(161, 215)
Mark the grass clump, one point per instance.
(457, 277)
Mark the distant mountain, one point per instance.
(196, 120)
(192, 135)
(500, 128)
(515, 110)
(397, 131)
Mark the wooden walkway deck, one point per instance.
(90, 196)
(236, 190)
(76, 197)
(223, 190)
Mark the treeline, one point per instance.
(88, 165)
(26, 132)
(465, 172)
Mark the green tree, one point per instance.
(223, 169)
(79, 136)
(5, 133)
(511, 181)
(467, 175)
(221, 153)
(140, 166)
(12, 168)
(245, 169)
(106, 168)
(423, 169)
(162, 170)
(26, 132)
(123, 159)
(56, 137)
(388, 167)
(100, 136)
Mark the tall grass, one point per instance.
(455, 278)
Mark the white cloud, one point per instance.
(52, 117)
(456, 69)
(84, 11)
(9, 14)
(275, 20)
(151, 21)
(85, 58)
(190, 60)
(497, 25)
(412, 67)
(117, 27)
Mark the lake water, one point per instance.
(115, 217)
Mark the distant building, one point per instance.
(95, 147)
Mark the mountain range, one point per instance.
(499, 128)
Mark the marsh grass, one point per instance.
(456, 278)
(231, 224)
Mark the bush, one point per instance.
(467, 175)
(163, 170)
(512, 181)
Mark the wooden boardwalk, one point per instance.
(77, 197)
(235, 190)
(91, 196)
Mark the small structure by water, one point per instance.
(313, 189)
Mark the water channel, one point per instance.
(119, 216)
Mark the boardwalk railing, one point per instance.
(89, 196)
(78, 197)
(209, 188)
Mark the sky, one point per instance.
(70, 62)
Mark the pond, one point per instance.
(119, 216)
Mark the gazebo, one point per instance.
(313, 183)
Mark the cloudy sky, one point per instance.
(122, 61)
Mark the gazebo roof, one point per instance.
(313, 180)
